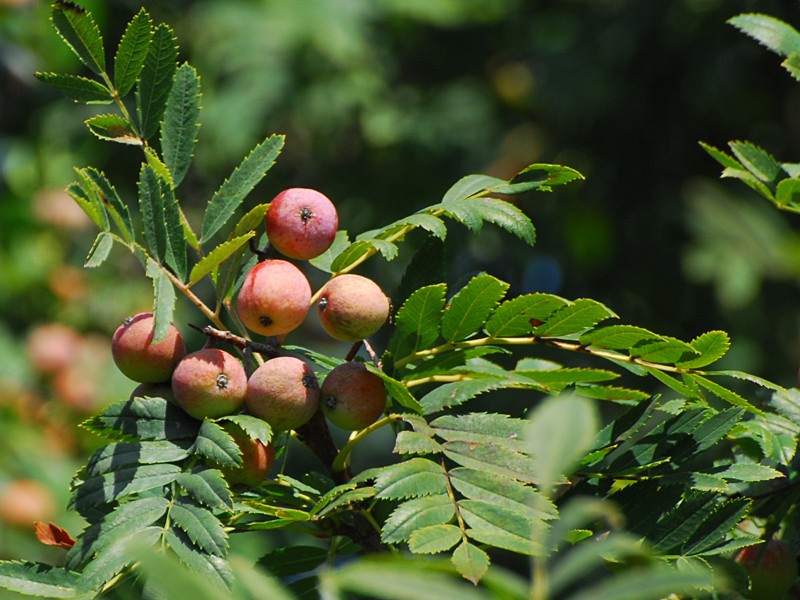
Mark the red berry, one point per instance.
(284, 392)
(301, 223)
(209, 383)
(351, 397)
(140, 359)
(274, 299)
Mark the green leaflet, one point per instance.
(163, 300)
(217, 256)
(561, 429)
(37, 579)
(293, 560)
(773, 33)
(180, 126)
(176, 242)
(471, 306)
(471, 561)
(207, 486)
(155, 81)
(123, 521)
(576, 317)
(201, 526)
(452, 394)
(257, 429)
(214, 569)
(100, 250)
(726, 160)
(243, 179)
(77, 88)
(122, 454)
(520, 315)
(411, 479)
(504, 492)
(131, 52)
(618, 337)
(468, 186)
(108, 487)
(324, 261)
(473, 212)
(77, 28)
(434, 539)
(756, 160)
(415, 514)
(107, 195)
(499, 527)
(151, 208)
(390, 578)
(711, 346)
(538, 176)
(358, 249)
(216, 444)
(115, 557)
(417, 321)
(143, 419)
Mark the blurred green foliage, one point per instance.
(387, 101)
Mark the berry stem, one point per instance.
(343, 459)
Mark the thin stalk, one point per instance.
(343, 458)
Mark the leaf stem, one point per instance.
(562, 344)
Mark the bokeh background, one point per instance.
(385, 104)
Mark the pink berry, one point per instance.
(301, 223)
(274, 299)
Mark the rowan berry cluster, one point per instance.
(274, 299)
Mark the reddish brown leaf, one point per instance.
(51, 534)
